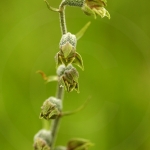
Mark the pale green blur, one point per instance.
(116, 55)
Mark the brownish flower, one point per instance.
(68, 77)
(95, 7)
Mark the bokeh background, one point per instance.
(116, 56)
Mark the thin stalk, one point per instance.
(56, 122)
(60, 90)
(62, 18)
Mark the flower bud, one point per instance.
(78, 144)
(68, 77)
(42, 140)
(43, 134)
(68, 44)
(95, 7)
(51, 108)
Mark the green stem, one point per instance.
(60, 90)
(62, 18)
(56, 122)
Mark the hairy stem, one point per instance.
(62, 18)
(55, 123)
(60, 90)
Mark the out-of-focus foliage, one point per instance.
(116, 55)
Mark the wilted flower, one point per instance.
(51, 108)
(68, 77)
(95, 7)
(67, 53)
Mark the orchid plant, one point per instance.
(67, 58)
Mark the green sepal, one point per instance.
(78, 61)
(64, 83)
(67, 86)
(70, 60)
(73, 87)
(69, 77)
(77, 88)
(51, 114)
(51, 108)
(107, 14)
(63, 60)
(54, 114)
(66, 49)
(58, 59)
(74, 75)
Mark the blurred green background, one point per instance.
(116, 56)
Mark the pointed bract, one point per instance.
(82, 31)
